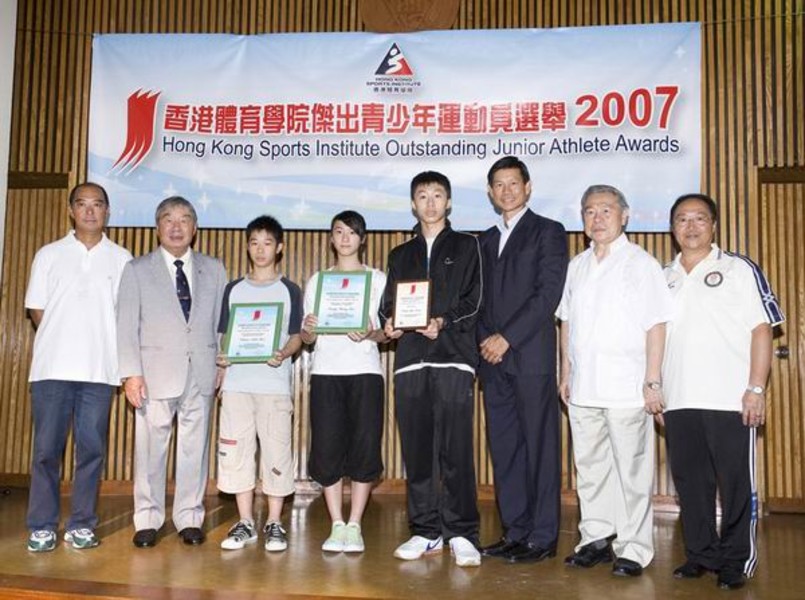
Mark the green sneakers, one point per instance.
(353, 541)
(337, 539)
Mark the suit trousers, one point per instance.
(56, 406)
(435, 413)
(613, 449)
(709, 450)
(152, 436)
(522, 417)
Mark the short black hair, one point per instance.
(265, 223)
(508, 162)
(352, 219)
(708, 201)
(88, 184)
(428, 177)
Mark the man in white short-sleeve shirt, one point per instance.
(71, 298)
(717, 362)
(613, 311)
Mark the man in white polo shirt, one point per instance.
(613, 311)
(717, 361)
(71, 299)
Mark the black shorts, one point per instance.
(346, 427)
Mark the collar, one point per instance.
(715, 254)
(507, 227)
(74, 240)
(617, 244)
(418, 229)
(186, 258)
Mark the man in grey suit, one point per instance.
(168, 310)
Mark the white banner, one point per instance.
(302, 126)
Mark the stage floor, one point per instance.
(172, 570)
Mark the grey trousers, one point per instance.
(152, 436)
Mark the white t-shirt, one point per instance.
(707, 350)
(77, 290)
(261, 378)
(609, 306)
(336, 354)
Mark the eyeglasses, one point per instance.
(695, 220)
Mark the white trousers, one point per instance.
(614, 453)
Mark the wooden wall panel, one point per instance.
(752, 116)
(782, 256)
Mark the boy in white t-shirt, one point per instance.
(257, 402)
(346, 395)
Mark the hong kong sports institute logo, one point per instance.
(394, 75)
(141, 115)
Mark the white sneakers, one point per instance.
(417, 547)
(239, 535)
(463, 551)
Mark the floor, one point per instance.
(172, 570)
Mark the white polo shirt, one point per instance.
(77, 290)
(609, 306)
(336, 354)
(707, 351)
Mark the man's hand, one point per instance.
(564, 390)
(754, 409)
(432, 330)
(493, 348)
(135, 390)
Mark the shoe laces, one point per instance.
(274, 530)
(83, 532)
(42, 534)
(241, 531)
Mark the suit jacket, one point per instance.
(522, 288)
(153, 338)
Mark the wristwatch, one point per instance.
(653, 385)
(756, 389)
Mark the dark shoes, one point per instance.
(730, 579)
(145, 538)
(499, 548)
(624, 567)
(590, 555)
(690, 570)
(528, 553)
(192, 536)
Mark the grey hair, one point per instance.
(173, 202)
(602, 188)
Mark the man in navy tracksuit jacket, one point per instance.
(433, 375)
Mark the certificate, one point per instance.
(412, 304)
(342, 301)
(253, 332)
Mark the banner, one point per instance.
(301, 126)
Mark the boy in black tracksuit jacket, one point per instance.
(433, 375)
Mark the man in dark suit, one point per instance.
(168, 310)
(525, 260)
